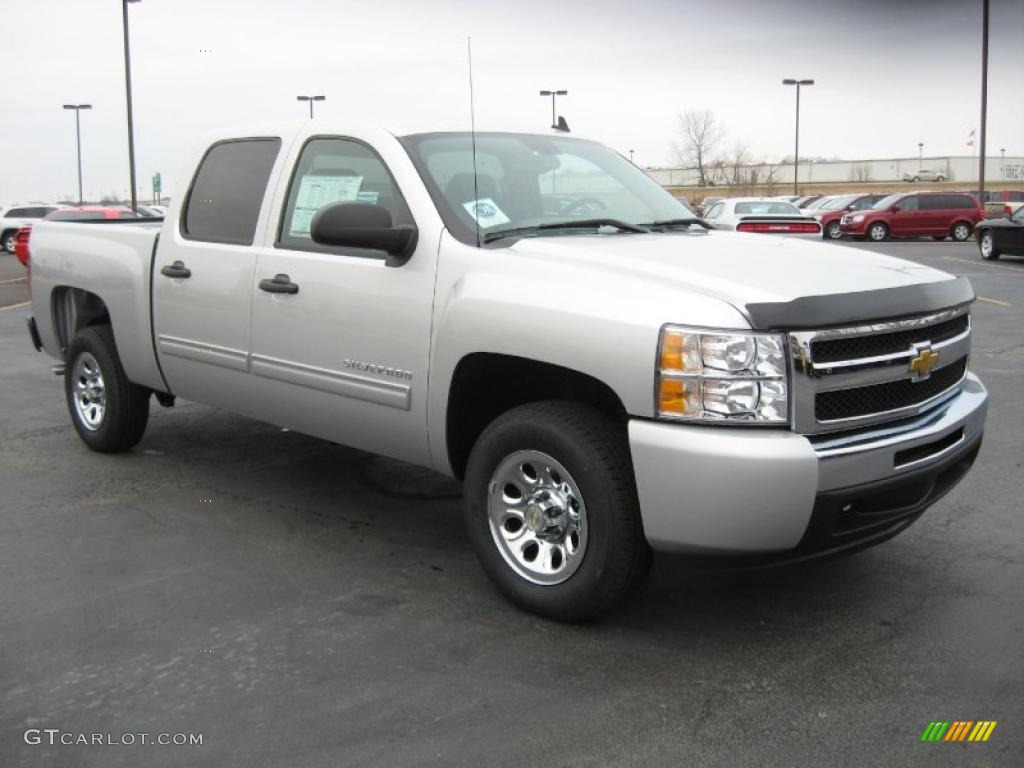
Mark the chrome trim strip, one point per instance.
(364, 388)
(909, 353)
(187, 349)
(936, 455)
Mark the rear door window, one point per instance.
(934, 202)
(224, 202)
(961, 201)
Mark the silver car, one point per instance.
(764, 215)
(924, 174)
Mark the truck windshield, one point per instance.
(529, 185)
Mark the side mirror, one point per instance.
(364, 225)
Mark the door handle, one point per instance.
(279, 284)
(177, 269)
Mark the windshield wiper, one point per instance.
(679, 223)
(622, 226)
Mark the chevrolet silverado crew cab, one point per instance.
(533, 315)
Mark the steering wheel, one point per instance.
(581, 203)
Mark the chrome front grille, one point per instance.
(846, 378)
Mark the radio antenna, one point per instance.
(472, 134)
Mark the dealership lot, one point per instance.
(300, 603)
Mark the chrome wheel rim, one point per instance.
(833, 230)
(961, 232)
(88, 391)
(9, 243)
(537, 517)
(878, 232)
(986, 245)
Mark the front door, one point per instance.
(906, 221)
(202, 278)
(344, 356)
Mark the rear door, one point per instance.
(202, 278)
(934, 216)
(906, 221)
(345, 356)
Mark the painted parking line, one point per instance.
(15, 306)
(1005, 270)
(15, 280)
(994, 301)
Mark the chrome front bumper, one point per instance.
(743, 491)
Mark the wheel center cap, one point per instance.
(547, 514)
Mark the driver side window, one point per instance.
(715, 212)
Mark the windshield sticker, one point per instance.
(367, 197)
(317, 191)
(486, 213)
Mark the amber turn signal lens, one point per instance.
(672, 351)
(672, 396)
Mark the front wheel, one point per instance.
(833, 232)
(108, 411)
(552, 511)
(961, 231)
(877, 232)
(987, 246)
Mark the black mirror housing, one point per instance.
(364, 225)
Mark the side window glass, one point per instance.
(909, 204)
(715, 212)
(933, 202)
(227, 192)
(336, 171)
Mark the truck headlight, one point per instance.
(720, 376)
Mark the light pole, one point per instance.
(128, 93)
(311, 99)
(984, 96)
(796, 151)
(554, 95)
(78, 141)
(631, 156)
(1002, 163)
(920, 153)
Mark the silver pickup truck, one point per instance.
(535, 316)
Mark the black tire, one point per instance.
(594, 451)
(7, 240)
(993, 252)
(938, 238)
(873, 230)
(961, 231)
(940, 179)
(832, 231)
(917, 179)
(122, 420)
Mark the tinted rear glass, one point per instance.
(226, 195)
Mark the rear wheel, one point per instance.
(108, 411)
(877, 232)
(833, 232)
(552, 512)
(7, 241)
(987, 246)
(961, 231)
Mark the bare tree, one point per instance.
(699, 135)
(860, 172)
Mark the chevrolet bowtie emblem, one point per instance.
(921, 365)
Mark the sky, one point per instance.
(889, 73)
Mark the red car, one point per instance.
(916, 214)
(832, 210)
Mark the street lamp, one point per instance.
(553, 95)
(311, 99)
(796, 151)
(920, 153)
(1002, 163)
(78, 141)
(128, 93)
(631, 156)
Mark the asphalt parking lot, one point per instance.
(299, 603)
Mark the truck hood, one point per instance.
(798, 282)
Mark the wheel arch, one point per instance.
(72, 309)
(485, 385)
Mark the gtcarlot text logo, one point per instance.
(55, 736)
(958, 730)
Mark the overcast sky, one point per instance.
(889, 74)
